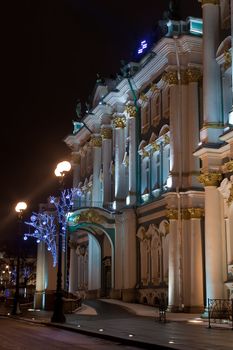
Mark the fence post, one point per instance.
(209, 312)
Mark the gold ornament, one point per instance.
(227, 60)
(131, 111)
(210, 179)
(170, 77)
(196, 213)
(119, 122)
(96, 141)
(227, 167)
(106, 133)
(194, 75)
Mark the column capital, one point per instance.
(210, 179)
(170, 77)
(131, 111)
(106, 132)
(119, 121)
(96, 140)
(194, 75)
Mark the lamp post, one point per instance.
(20, 207)
(58, 315)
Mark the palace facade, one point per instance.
(152, 161)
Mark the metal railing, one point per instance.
(220, 311)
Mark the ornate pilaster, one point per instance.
(106, 133)
(96, 142)
(119, 122)
(76, 162)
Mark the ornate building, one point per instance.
(152, 159)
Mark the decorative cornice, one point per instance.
(194, 75)
(96, 141)
(119, 122)
(210, 179)
(131, 111)
(106, 133)
(227, 167)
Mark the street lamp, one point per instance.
(58, 315)
(20, 207)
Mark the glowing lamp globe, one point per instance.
(62, 167)
(20, 207)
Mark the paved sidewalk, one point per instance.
(138, 325)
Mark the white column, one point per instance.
(173, 269)
(96, 142)
(106, 132)
(213, 244)
(171, 78)
(211, 71)
(119, 123)
(194, 76)
(129, 262)
(73, 270)
(132, 154)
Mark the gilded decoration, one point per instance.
(96, 141)
(106, 133)
(230, 198)
(185, 213)
(89, 216)
(143, 97)
(228, 167)
(210, 179)
(196, 213)
(144, 153)
(194, 75)
(154, 88)
(119, 122)
(131, 110)
(184, 77)
(166, 139)
(227, 59)
(155, 146)
(170, 77)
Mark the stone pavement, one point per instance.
(138, 325)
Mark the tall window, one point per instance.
(166, 103)
(156, 109)
(145, 117)
(155, 173)
(166, 163)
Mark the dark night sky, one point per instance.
(51, 51)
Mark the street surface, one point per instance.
(21, 335)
